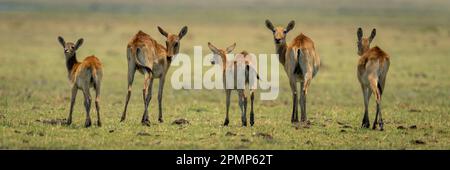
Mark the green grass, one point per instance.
(34, 86)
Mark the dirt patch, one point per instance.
(198, 110)
(31, 133)
(415, 110)
(230, 134)
(418, 142)
(245, 140)
(346, 126)
(413, 127)
(418, 75)
(53, 121)
(301, 125)
(265, 136)
(341, 123)
(143, 134)
(442, 131)
(180, 122)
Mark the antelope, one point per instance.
(300, 61)
(153, 60)
(240, 67)
(82, 75)
(372, 69)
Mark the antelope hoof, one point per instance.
(99, 124)
(226, 122)
(305, 123)
(294, 121)
(365, 125)
(87, 123)
(252, 123)
(160, 120)
(244, 124)
(122, 119)
(381, 127)
(145, 123)
(69, 122)
(374, 126)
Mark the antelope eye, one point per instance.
(284, 31)
(176, 45)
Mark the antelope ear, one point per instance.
(290, 26)
(213, 48)
(79, 43)
(162, 31)
(231, 48)
(269, 25)
(359, 34)
(183, 32)
(372, 35)
(61, 41)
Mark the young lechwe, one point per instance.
(300, 61)
(372, 70)
(153, 60)
(237, 74)
(82, 76)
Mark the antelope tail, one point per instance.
(141, 56)
(298, 67)
(248, 71)
(380, 88)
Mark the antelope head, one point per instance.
(364, 43)
(173, 41)
(279, 33)
(220, 55)
(69, 47)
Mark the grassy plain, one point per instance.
(35, 93)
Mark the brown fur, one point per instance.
(82, 76)
(302, 69)
(373, 54)
(372, 69)
(90, 62)
(153, 60)
(146, 42)
(241, 60)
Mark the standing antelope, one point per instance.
(153, 60)
(82, 75)
(300, 61)
(243, 71)
(372, 69)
